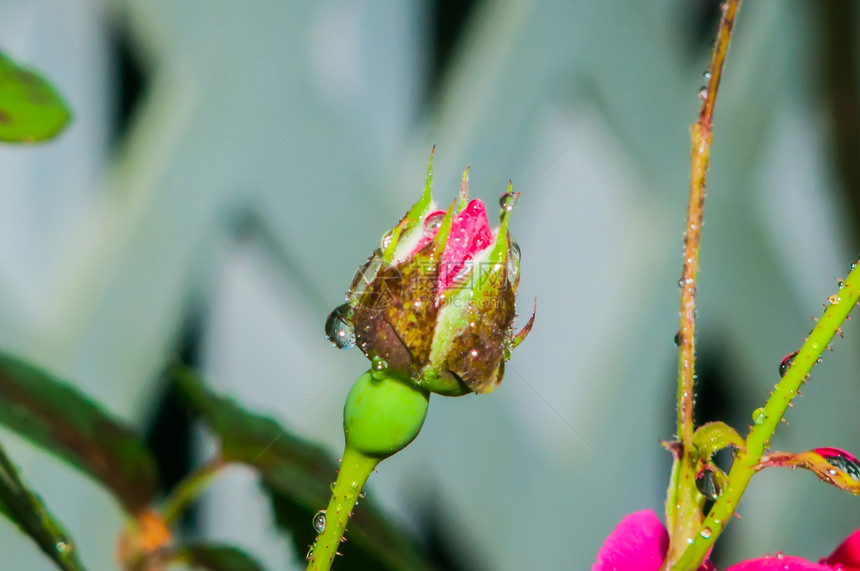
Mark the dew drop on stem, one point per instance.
(786, 363)
(338, 327)
(319, 521)
(759, 416)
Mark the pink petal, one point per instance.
(638, 543)
(779, 563)
(847, 554)
(470, 234)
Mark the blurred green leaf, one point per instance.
(27, 511)
(218, 558)
(53, 415)
(31, 110)
(296, 475)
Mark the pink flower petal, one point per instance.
(779, 563)
(847, 554)
(638, 543)
(470, 234)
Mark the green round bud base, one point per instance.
(382, 415)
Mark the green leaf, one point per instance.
(31, 110)
(57, 417)
(296, 475)
(27, 511)
(218, 558)
(714, 436)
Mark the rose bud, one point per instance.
(435, 303)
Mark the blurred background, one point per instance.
(231, 163)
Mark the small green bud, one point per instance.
(382, 415)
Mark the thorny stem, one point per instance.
(758, 439)
(354, 471)
(681, 505)
(189, 488)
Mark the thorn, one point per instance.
(737, 515)
(343, 539)
(782, 420)
(815, 319)
(800, 394)
(338, 553)
(790, 404)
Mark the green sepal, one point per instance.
(412, 218)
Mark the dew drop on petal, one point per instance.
(759, 416)
(786, 363)
(338, 327)
(319, 521)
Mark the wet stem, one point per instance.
(683, 505)
(746, 460)
(355, 468)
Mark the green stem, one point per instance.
(683, 504)
(188, 489)
(354, 471)
(758, 439)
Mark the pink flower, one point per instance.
(640, 542)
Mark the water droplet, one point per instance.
(703, 93)
(706, 483)
(319, 521)
(854, 266)
(508, 200)
(433, 222)
(309, 555)
(834, 298)
(706, 532)
(706, 76)
(847, 465)
(759, 416)
(338, 327)
(677, 338)
(840, 284)
(786, 363)
(62, 546)
(514, 256)
(386, 239)
(378, 367)
(332, 487)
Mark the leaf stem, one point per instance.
(188, 489)
(682, 500)
(758, 439)
(354, 471)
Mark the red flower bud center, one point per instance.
(470, 235)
